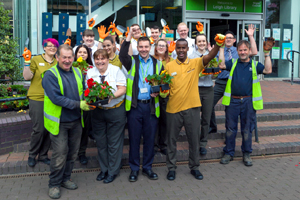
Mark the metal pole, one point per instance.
(138, 11)
(256, 134)
(38, 25)
(292, 81)
(90, 9)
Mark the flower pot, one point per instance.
(104, 101)
(100, 102)
(208, 70)
(155, 89)
(216, 69)
(165, 87)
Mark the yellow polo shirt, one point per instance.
(116, 61)
(184, 93)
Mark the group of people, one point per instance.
(61, 117)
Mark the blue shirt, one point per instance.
(148, 70)
(225, 74)
(241, 84)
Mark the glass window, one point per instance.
(68, 6)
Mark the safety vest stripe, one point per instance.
(255, 81)
(53, 70)
(129, 98)
(130, 77)
(52, 118)
(257, 98)
(77, 72)
(156, 104)
(230, 77)
(227, 94)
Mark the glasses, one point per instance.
(162, 46)
(229, 38)
(51, 46)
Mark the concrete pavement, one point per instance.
(272, 178)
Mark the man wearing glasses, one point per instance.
(230, 52)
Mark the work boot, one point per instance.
(54, 193)
(247, 160)
(69, 185)
(226, 159)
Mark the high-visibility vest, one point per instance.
(52, 112)
(257, 99)
(131, 74)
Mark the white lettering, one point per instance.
(229, 8)
(218, 7)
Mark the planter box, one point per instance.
(216, 69)
(100, 102)
(155, 89)
(208, 70)
(165, 87)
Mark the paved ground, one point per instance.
(275, 178)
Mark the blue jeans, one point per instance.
(244, 109)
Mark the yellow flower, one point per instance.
(79, 59)
(164, 71)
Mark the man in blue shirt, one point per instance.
(229, 52)
(242, 98)
(141, 117)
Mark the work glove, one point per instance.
(151, 40)
(27, 55)
(164, 94)
(112, 28)
(199, 27)
(119, 33)
(102, 34)
(220, 40)
(143, 35)
(126, 33)
(91, 23)
(166, 29)
(172, 46)
(68, 42)
(84, 106)
(268, 44)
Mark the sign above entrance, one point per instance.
(225, 5)
(254, 6)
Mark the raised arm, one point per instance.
(124, 55)
(267, 48)
(222, 58)
(250, 33)
(27, 73)
(220, 39)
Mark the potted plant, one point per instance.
(82, 65)
(97, 93)
(154, 81)
(212, 68)
(166, 80)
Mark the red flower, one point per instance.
(103, 87)
(91, 67)
(86, 92)
(106, 83)
(146, 80)
(90, 83)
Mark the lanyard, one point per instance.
(144, 75)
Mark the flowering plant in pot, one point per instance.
(166, 80)
(212, 68)
(97, 93)
(154, 81)
(82, 65)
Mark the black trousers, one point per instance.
(219, 90)
(161, 133)
(85, 132)
(40, 137)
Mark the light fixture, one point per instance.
(147, 6)
(126, 6)
(171, 8)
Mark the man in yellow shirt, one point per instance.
(183, 108)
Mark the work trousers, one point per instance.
(85, 132)
(161, 133)
(242, 108)
(65, 147)
(190, 119)
(141, 122)
(219, 90)
(108, 130)
(40, 137)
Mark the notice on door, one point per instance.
(225, 5)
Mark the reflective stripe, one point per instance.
(227, 94)
(156, 104)
(233, 61)
(129, 98)
(230, 77)
(77, 72)
(254, 62)
(255, 80)
(54, 71)
(257, 98)
(52, 118)
(158, 63)
(133, 62)
(45, 93)
(130, 77)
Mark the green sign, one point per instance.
(195, 5)
(254, 6)
(225, 5)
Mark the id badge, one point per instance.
(144, 90)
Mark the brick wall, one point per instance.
(14, 130)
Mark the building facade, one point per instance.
(277, 18)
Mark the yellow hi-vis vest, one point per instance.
(130, 79)
(52, 112)
(257, 99)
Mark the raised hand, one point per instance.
(27, 55)
(199, 27)
(166, 29)
(119, 33)
(220, 40)
(209, 47)
(68, 42)
(172, 46)
(251, 29)
(91, 23)
(112, 27)
(269, 44)
(151, 40)
(126, 33)
(102, 34)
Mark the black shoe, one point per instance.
(46, 161)
(150, 174)
(31, 162)
(203, 151)
(212, 130)
(133, 176)
(83, 159)
(171, 175)
(109, 178)
(197, 174)
(101, 176)
(163, 151)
